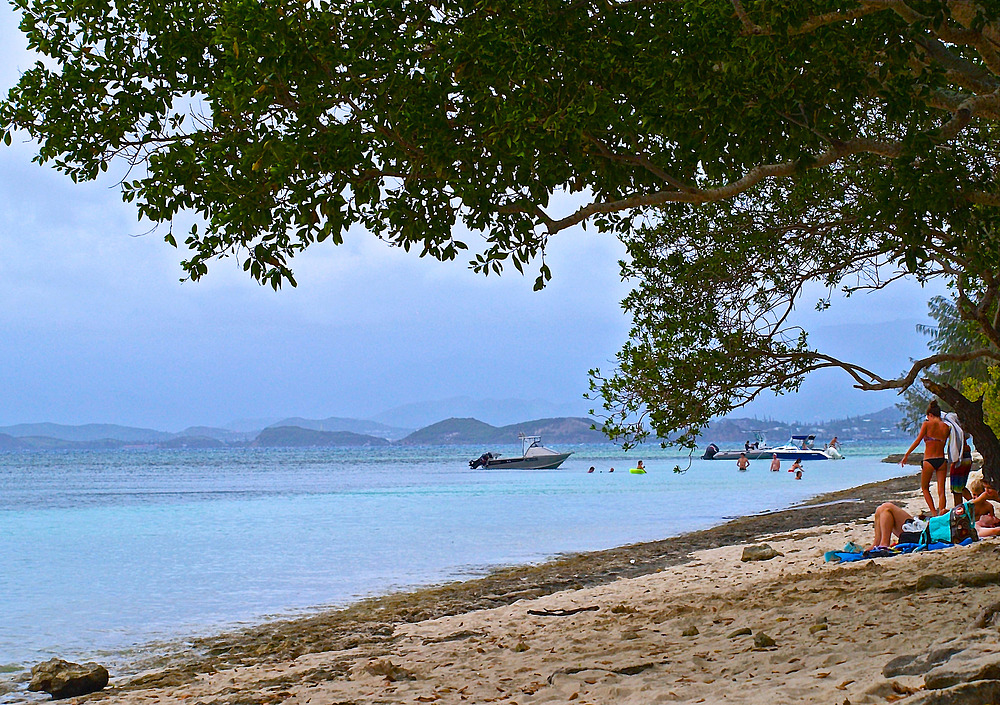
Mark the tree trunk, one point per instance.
(970, 414)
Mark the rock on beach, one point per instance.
(63, 679)
(761, 552)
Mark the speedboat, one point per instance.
(756, 450)
(534, 456)
(801, 448)
(798, 447)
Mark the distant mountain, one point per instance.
(474, 432)
(252, 426)
(49, 443)
(335, 423)
(87, 432)
(296, 437)
(225, 435)
(192, 442)
(875, 426)
(8, 442)
(498, 412)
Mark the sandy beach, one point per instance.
(681, 620)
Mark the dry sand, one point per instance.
(683, 620)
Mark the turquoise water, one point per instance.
(104, 553)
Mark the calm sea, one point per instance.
(106, 555)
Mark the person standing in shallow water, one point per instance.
(775, 463)
(933, 432)
(743, 463)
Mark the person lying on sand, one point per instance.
(889, 518)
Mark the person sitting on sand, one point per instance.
(775, 463)
(743, 463)
(976, 487)
(933, 432)
(889, 518)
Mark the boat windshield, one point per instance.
(529, 442)
(803, 442)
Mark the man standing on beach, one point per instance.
(743, 463)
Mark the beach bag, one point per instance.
(954, 527)
(912, 529)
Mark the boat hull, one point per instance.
(735, 455)
(542, 462)
(767, 454)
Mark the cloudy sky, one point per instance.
(97, 326)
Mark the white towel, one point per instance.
(955, 436)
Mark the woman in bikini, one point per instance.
(934, 433)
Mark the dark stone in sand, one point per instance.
(62, 679)
(690, 631)
(761, 552)
(934, 581)
(763, 641)
(919, 664)
(979, 579)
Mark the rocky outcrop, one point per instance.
(962, 671)
(62, 679)
(760, 552)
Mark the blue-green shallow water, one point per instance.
(102, 553)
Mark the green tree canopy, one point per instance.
(953, 336)
(846, 143)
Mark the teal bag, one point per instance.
(954, 527)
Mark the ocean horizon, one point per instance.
(111, 555)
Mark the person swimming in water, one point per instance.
(933, 432)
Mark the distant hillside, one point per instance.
(86, 432)
(219, 434)
(878, 425)
(192, 442)
(475, 432)
(296, 437)
(498, 412)
(452, 432)
(8, 442)
(334, 423)
(48, 443)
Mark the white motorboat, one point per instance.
(755, 450)
(534, 456)
(801, 448)
(798, 447)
